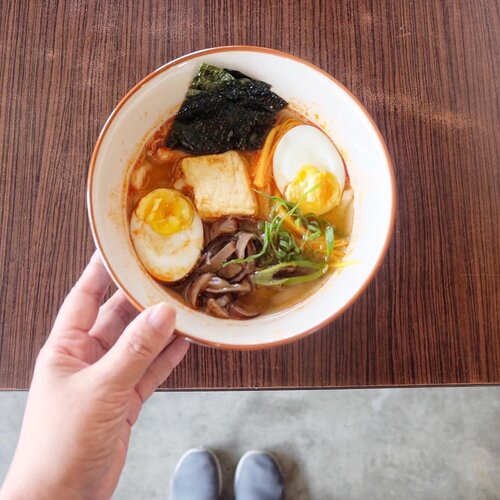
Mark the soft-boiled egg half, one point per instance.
(309, 170)
(167, 234)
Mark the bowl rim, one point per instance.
(244, 48)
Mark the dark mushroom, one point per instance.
(238, 311)
(228, 225)
(248, 269)
(215, 284)
(218, 285)
(195, 287)
(214, 246)
(250, 225)
(216, 309)
(206, 234)
(242, 242)
(230, 271)
(212, 262)
(214, 287)
(224, 300)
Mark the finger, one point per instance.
(160, 370)
(139, 345)
(162, 367)
(79, 310)
(112, 319)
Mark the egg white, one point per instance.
(301, 146)
(167, 258)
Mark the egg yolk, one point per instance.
(315, 190)
(166, 211)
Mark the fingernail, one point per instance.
(162, 316)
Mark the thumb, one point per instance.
(138, 346)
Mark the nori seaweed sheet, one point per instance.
(224, 110)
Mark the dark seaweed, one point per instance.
(224, 110)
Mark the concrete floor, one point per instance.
(353, 444)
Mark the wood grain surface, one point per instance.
(427, 70)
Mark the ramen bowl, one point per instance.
(312, 92)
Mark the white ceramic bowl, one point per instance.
(325, 102)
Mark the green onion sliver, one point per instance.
(265, 277)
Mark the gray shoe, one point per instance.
(198, 476)
(258, 477)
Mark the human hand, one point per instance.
(90, 381)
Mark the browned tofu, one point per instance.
(221, 185)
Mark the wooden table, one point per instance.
(427, 71)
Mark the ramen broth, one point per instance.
(164, 172)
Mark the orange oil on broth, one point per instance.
(165, 173)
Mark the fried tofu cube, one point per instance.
(221, 185)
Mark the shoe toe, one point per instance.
(197, 476)
(258, 476)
